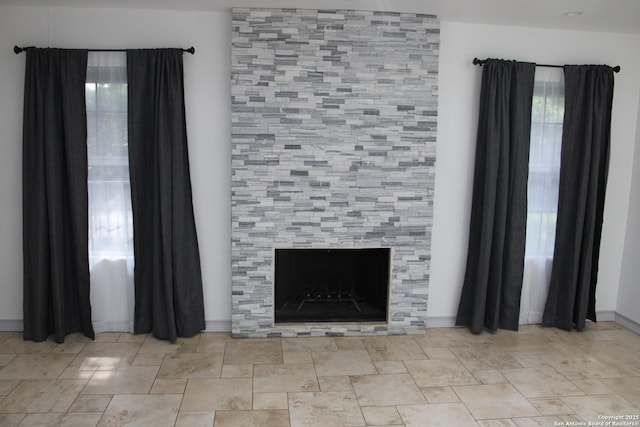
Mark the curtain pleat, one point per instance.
(55, 211)
(493, 279)
(583, 177)
(168, 282)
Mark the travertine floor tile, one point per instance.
(224, 394)
(11, 420)
(325, 409)
(440, 395)
(297, 357)
(6, 386)
(390, 367)
(191, 365)
(589, 407)
(384, 390)
(479, 357)
(551, 406)
(252, 418)
(168, 386)
(245, 352)
(17, 345)
(534, 377)
(122, 380)
(60, 419)
(6, 358)
(330, 363)
(495, 401)
(309, 344)
(106, 355)
(593, 386)
(270, 401)
(628, 388)
(182, 345)
(336, 383)
(579, 366)
(489, 376)
(156, 410)
(36, 366)
(42, 396)
(237, 371)
(440, 372)
(443, 337)
(284, 378)
(393, 348)
(435, 415)
(381, 415)
(195, 419)
(540, 382)
(91, 403)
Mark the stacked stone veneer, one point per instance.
(334, 140)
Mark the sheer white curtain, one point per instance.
(110, 218)
(542, 204)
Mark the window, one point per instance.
(542, 203)
(110, 216)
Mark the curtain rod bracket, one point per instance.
(481, 62)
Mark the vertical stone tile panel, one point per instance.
(334, 119)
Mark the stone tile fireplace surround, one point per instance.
(334, 118)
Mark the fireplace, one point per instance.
(331, 285)
(333, 132)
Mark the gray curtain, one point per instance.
(55, 208)
(495, 261)
(168, 283)
(583, 178)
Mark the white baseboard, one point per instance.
(211, 326)
(602, 316)
(10, 325)
(218, 326)
(625, 322)
(441, 322)
(432, 322)
(605, 316)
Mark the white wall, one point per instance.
(629, 292)
(458, 97)
(208, 97)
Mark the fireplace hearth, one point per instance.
(331, 285)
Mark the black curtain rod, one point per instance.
(481, 62)
(18, 49)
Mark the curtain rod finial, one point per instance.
(17, 49)
(616, 69)
(191, 50)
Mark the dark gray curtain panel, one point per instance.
(583, 178)
(55, 207)
(168, 282)
(495, 261)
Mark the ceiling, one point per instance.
(618, 16)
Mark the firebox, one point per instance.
(331, 285)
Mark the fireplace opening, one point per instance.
(331, 285)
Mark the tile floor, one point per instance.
(446, 377)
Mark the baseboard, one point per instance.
(441, 322)
(432, 322)
(602, 316)
(211, 326)
(218, 326)
(10, 325)
(605, 316)
(627, 323)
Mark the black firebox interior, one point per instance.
(331, 285)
